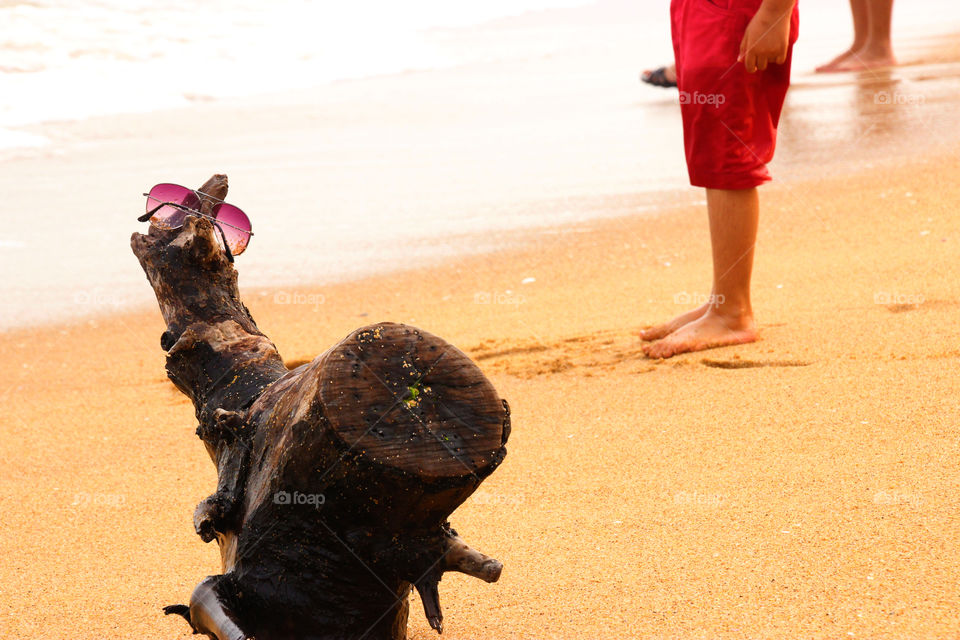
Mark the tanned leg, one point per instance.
(861, 27)
(877, 50)
(728, 318)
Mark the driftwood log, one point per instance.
(335, 479)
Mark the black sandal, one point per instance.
(658, 78)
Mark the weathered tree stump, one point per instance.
(335, 479)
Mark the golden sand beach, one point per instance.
(801, 486)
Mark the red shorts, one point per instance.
(729, 116)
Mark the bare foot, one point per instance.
(665, 329)
(709, 331)
(834, 64)
(862, 61)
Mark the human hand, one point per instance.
(767, 38)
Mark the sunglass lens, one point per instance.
(235, 225)
(168, 217)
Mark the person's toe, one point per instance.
(663, 330)
(655, 333)
(656, 350)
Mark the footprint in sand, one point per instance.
(752, 364)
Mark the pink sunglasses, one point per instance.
(168, 206)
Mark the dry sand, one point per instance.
(804, 486)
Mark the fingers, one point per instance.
(754, 62)
(743, 48)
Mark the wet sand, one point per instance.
(802, 486)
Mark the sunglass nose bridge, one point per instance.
(207, 203)
(212, 191)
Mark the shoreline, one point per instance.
(539, 246)
(461, 250)
(429, 254)
(511, 245)
(369, 175)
